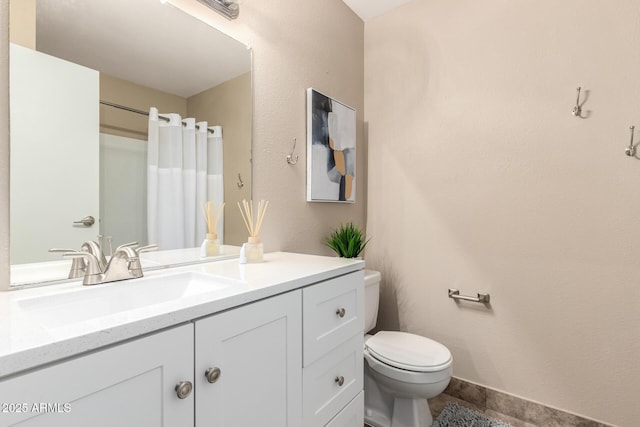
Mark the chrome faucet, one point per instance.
(123, 265)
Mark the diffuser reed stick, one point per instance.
(246, 209)
(211, 217)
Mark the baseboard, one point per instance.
(532, 413)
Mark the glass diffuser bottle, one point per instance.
(252, 251)
(211, 244)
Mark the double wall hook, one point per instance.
(577, 110)
(240, 182)
(631, 149)
(291, 158)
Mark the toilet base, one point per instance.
(406, 413)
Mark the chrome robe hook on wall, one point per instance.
(577, 110)
(291, 158)
(631, 149)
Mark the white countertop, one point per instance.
(27, 342)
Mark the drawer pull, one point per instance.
(183, 389)
(341, 312)
(340, 380)
(212, 374)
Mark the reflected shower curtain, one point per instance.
(179, 159)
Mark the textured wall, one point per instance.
(482, 180)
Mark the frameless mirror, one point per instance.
(83, 75)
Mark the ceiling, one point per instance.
(143, 41)
(368, 9)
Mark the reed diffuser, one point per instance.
(252, 251)
(211, 244)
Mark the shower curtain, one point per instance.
(184, 170)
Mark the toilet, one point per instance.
(402, 370)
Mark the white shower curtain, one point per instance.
(180, 163)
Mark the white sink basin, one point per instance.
(86, 303)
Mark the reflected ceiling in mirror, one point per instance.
(143, 41)
(153, 45)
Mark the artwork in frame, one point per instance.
(331, 149)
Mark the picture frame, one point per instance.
(331, 149)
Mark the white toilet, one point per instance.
(402, 370)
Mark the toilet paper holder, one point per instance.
(482, 298)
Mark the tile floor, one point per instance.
(507, 408)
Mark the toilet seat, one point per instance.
(408, 352)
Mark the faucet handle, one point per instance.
(135, 267)
(133, 261)
(93, 273)
(126, 245)
(148, 248)
(78, 267)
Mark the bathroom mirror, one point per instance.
(145, 53)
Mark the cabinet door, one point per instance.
(131, 384)
(257, 350)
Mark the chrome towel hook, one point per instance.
(631, 149)
(291, 158)
(577, 110)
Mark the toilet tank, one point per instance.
(371, 298)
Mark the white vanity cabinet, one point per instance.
(287, 353)
(247, 372)
(247, 365)
(130, 384)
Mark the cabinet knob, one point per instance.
(340, 380)
(183, 389)
(341, 312)
(212, 374)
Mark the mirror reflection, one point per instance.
(88, 158)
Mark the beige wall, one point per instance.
(482, 180)
(123, 123)
(22, 23)
(229, 105)
(319, 44)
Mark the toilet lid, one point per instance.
(408, 351)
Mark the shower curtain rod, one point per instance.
(144, 113)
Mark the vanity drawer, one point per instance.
(333, 311)
(352, 415)
(331, 382)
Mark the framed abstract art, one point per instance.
(331, 149)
